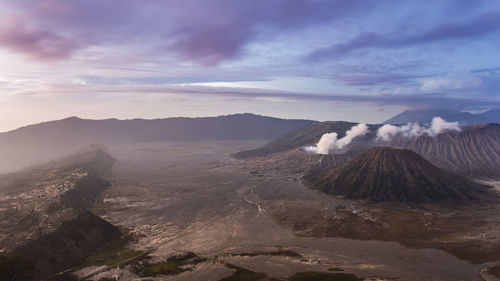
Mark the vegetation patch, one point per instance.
(242, 274)
(324, 276)
(114, 253)
(173, 266)
(335, 269)
(280, 253)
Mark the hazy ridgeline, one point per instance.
(47, 141)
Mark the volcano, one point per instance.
(383, 174)
(474, 152)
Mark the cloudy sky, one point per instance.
(358, 60)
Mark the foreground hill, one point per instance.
(52, 140)
(45, 225)
(35, 201)
(395, 175)
(474, 152)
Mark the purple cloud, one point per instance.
(231, 25)
(376, 79)
(478, 26)
(39, 44)
(211, 44)
(486, 70)
(197, 30)
(410, 101)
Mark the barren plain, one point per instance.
(241, 217)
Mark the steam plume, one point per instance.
(329, 141)
(438, 125)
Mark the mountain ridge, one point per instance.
(43, 142)
(474, 152)
(304, 136)
(383, 174)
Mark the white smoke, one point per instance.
(329, 141)
(438, 125)
(326, 142)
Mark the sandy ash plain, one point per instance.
(175, 198)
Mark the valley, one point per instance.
(250, 209)
(195, 198)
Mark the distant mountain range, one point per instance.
(474, 152)
(383, 174)
(43, 142)
(464, 118)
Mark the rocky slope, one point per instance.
(474, 152)
(68, 246)
(395, 175)
(305, 136)
(45, 223)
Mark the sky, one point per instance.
(356, 60)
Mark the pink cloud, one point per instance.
(206, 32)
(39, 44)
(55, 8)
(212, 43)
